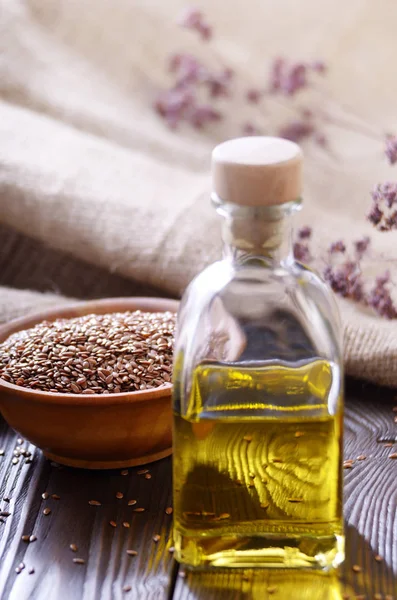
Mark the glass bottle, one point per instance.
(258, 382)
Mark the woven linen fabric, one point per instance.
(87, 168)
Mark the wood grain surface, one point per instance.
(109, 572)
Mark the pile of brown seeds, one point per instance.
(92, 354)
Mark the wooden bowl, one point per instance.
(98, 431)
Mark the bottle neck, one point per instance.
(252, 234)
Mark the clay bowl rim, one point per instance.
(84, 307)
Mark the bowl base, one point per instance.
(107, 464)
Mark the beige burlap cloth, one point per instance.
(87, 167)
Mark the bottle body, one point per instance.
(258, 408)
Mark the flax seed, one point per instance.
(169, 510)
(46, 511)
(113, 523)
(94, 503)
(156, 538)
(132, 552)
(119, 495)
(356, 569)
(88, 354)
(73, 547)
(79, 561)
(131, 502)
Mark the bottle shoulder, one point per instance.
(287, 311)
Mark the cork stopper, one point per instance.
(257, 171)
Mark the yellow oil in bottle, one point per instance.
(257, 468)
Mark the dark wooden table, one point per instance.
(48, 571)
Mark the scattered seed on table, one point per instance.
(21, 565)
(73, 547)
(356, 569)
(113, 523)
(55, 497)
(169, 510)
(17, 570)
(46, 511)
(31, 571)
(171, 549)
(378, 558)
(32, 538)
(139, 509)
(156, 537)
(2, 452)
(7, 499)
(94, 503)
(20, 441)
(131, 502)
(264, 505)
(126, 524)
(271, 589)
(15, 461)
(388, 445)
(28, 461)
(4, 513)
(247, 438)
(119, 495)
(393, 456)
(361, 457)
(148, 476)
(25, 538)
(132, 553)
(127, 588)
(79, 561)
(142, 472)
(45, 495)
(124, 472)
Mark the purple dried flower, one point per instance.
(192, 18)
(296, 131)
(250, 129)
(305, 233)
(380, 298)
(385, 192)
(361, 246)
(187, 69)
(254, 95)
(319, 66)
(391, 149)
(321, 139)
(202, 114)
(346, 280)
(375, 215)
(276, 74)
(219, 84)
(172, 105)
(301, 252)
(338, 246)
(289, 78)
